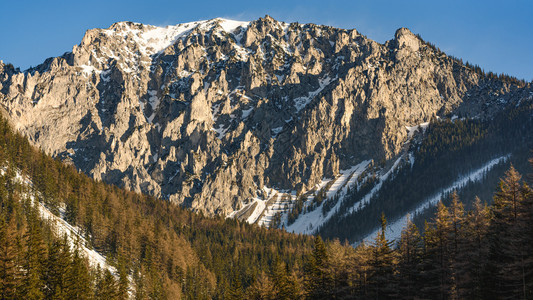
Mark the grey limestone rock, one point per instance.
(208, 113)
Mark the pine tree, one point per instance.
(436, 258)
(262, 288)
(57, 266)
(362, 269)
(523, 244)
(382, 265)
(34, 259)
(507, 252)
(284, 284)
(78, 279)
(456, 224)
(9, 275)
(341, 259)
(123, 281)
(107, 287)
(140, 290)
(318, 279)
(409, 261)
(235, 289)
(472, 253)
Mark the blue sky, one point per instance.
(497, 35)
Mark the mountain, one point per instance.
(295, 125)
(65, 235)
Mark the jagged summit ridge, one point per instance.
(218, 115)
(154, 39)
(140, 42)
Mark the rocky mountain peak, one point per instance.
(405, 38)
(217, 115)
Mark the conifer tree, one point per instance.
(318, 279)
(362, 269)
(107, 287)
(123, 281)
(284, 284)
(78, 279)
(436, 254)
(456, 231)
(341, 258)
(34, 259)
(57, 265)
(262, 288)
(506, 256)
(523, 243)
(409, 260)
(9, 275)
(382, 263)
(472, 252)
(235, 290)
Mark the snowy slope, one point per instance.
(62, 227)
(154, 39)
(308, 222)
(394, 229)
(271, 202)
(361, 203)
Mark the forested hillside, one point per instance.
(162, 251)
(439, 154)
(166, 252)
(484, 253)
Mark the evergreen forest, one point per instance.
(162, 251)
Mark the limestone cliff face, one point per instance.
(208, 113)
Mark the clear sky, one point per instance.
(497, 35)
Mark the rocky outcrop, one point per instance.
(208, 113)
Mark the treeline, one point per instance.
(447, 149)
(474, 67)
(484, 253)
(168, 252)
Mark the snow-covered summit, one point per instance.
(153, 39)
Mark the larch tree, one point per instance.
(409, 260)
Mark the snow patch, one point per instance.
(307, 223)
(88, 70)
(412, 129)
(246, 113)
(232, 25)
(276, 131)
(221, 131)
(154, 103)
(301, 102)
(154, 39)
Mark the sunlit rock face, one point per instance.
(208, 114)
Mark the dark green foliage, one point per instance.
(235, 291)
(296, 210)
(107, 287)
(285, 285)
(381, 279)
(318, 278)
(409, 261)
(510, 238)
(9, 273)
(447, 148)
(172, 253)
(485, 253)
